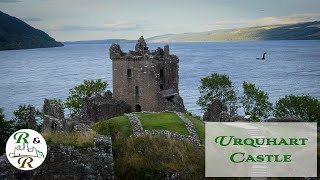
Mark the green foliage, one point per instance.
(21, 115)
(5, 131)
(304, 106)
(162, 121)
(57, 102)
(87, 89)
(218, 87)
(255, 102)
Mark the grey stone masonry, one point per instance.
(189, 125)
(135, 124)
(68, 162)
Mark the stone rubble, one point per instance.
(68, 162)
(136, 125)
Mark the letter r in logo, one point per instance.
(21, 134)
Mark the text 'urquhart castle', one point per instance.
(146, 80)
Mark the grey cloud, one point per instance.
(95, 28)
(31, 19)
(9, 1)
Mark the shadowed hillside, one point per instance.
(300, 31)
(16, 34)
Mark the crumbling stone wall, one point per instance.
(102, 107)
(53, 117)
(67, 162)
(216, 111)
(140, 77)
(31, 118)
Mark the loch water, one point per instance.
(291, 67)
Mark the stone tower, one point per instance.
(146, 80)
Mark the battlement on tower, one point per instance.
(146, 79)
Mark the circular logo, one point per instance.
(26, 149)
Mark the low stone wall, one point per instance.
(136, 125)
(67, 162)
(137, 130)
(189, 125)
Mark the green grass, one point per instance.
(148, 157)
(114, 125)
(145, 157)
(162, 121)
(77, 139)
(199, 126)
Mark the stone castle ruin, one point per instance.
(147, 80)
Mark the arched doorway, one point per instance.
(137, 108)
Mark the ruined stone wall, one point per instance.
(100, 107)
(153, 72)
(67, 162)
(171, 72)
(124, 87)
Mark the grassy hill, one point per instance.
(149, 157)
(16, 34)
(300, 31)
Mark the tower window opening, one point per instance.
(161, 73)
(129, 73)
(137, 91)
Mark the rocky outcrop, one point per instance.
(53, 120)
(100, 107)
(53, 109)
(174, 104)
(67, 162)
(216, 112)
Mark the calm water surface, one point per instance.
(292, 67)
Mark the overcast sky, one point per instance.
(71, 20)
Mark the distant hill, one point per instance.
(106, 41)
(16, 34)
(300, 31)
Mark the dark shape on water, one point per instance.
(263, 57)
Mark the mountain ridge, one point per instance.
(298, 31)
(17, 34)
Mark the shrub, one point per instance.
(255, 102)
(219, 87)
(304, 106)
(87, 89)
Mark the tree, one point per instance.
(304, 106)
(87, 89)
(218, 87)
(5, 131)
(20, 121)
(255, 102)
